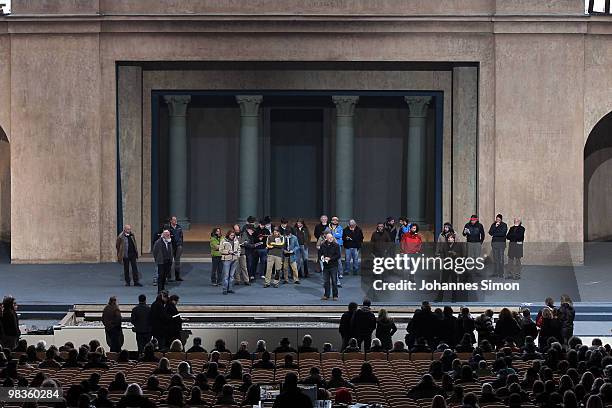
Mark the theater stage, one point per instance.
(94, 283)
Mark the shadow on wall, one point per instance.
(597, 186)
(5, 190)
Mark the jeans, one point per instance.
(217, 268)
(127, 262)
(352, 260)
(261, 262)
(498, 257)
(288, 264)
(302, 260)
(330, 275)
(340, 268)
(229, 270)
(251, 259)
(177, 261)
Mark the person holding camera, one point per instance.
(474, 233)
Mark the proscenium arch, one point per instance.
(597, 186)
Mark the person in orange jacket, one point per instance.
(411, 242)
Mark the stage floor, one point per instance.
(94, 283)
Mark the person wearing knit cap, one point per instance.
(474, 233)
(343, 396)
(498, 232)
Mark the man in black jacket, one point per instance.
(159, 319)
(322, 226)
(176, 235)
(292, 396)
(498, 232)
(422, 325)
(363, 324)
(329, 253)
(140, 319)
(352, 237)
(381, 241)
(346, 329)
(163, 255)
(175, 326)
(473, 231)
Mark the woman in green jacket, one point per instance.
(215, 253)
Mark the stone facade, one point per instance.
(544, 76)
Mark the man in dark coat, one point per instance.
(292, 396)
(111, 318)
(474, 233)
(516, 237)
(381, 241)
(352, 238)
(163, 255)
(9, 323)
(498, 231)
(329, 254)
(175, 326)
(141, 321)
(321, 226)
(422, 325)
(363, 324)
(159, 319)
(345, 329)
(127, 254)
(176, 235)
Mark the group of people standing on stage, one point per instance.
(474, 233)
(258, 249)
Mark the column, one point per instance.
(249, 155)
(345, 153)
(177, 106)
(415, 156)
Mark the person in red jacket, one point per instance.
(411, 242)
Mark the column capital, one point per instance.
(345, 104)
(249, 104)
(417, 105)
(177, 104)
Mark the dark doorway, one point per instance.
(597, 187)
(296, 151)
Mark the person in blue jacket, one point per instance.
(337, 230)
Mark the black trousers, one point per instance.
(163, 271)
(141, 340)
(366, 340)
(126, 269)
(114, 339)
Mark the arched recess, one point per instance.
(597, 182)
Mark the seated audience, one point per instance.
(306, 346)
(426, 388)
(243, 352)
(133, 398)
(366, 375)
(265, 362)
(227, 396)
(163, 367)
(285, 346)
(197, 346)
